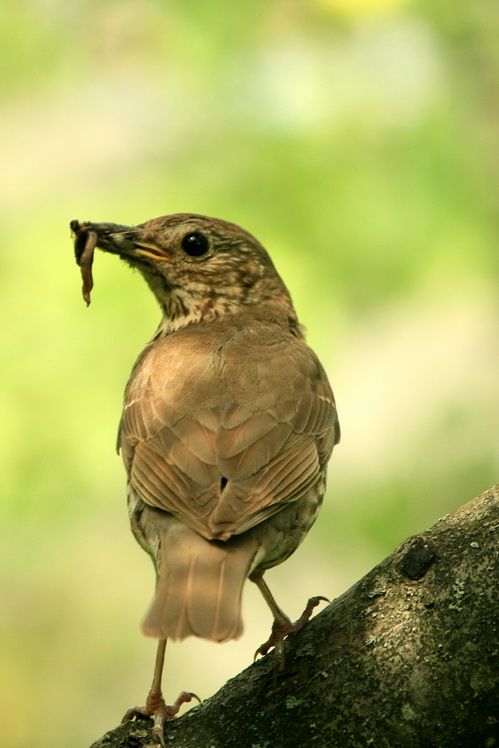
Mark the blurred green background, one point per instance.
(358, 140)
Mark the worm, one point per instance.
(85, 244)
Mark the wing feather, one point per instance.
(235, 449)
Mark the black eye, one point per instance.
(195, 244)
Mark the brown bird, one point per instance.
(227, 427)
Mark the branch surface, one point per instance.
(408, 656)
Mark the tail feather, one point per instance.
(199, 585)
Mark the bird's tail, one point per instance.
(199, 585)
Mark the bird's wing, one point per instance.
(245, 435)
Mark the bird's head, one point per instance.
(198, 268)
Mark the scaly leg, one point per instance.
(155, 705)
(282, 625)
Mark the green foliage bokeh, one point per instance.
(357, 139)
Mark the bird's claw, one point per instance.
(160, 712)
(282, 627)
(305, 616)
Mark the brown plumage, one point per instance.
(227, 426)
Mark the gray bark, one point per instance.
(408, 657)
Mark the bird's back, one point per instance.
(228, 421)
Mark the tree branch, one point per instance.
(409, 656)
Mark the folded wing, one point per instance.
(241, 449)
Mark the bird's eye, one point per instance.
(195, 244)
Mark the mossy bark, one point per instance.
(409, 657)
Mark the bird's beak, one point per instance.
(125, 241)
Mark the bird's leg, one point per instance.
(282, 625)
(155, 705)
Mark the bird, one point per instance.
(227, 427)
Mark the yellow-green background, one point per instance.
(357, 139)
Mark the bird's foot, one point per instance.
(283, 626)
(160, 712)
